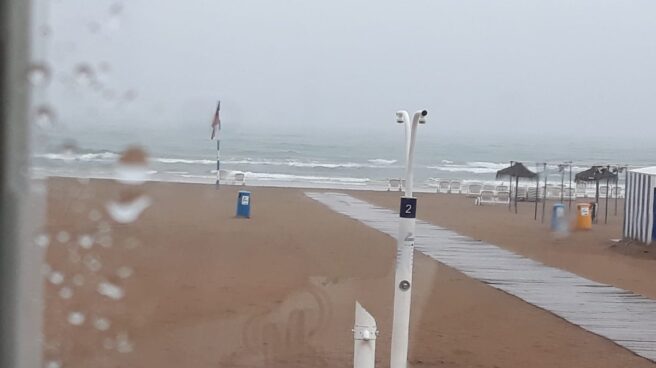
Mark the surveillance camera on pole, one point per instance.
(405, 247)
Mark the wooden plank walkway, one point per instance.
(621, 316)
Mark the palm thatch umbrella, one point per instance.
(596, 174)
(516, 170)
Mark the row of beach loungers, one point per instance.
(501, 193)
(237, 178)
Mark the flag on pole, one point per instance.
(216, 122)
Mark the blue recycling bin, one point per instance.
(244, 204)
(558, 220)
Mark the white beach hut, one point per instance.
(639, 209)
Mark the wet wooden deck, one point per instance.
(621, 316)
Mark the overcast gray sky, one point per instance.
(480, 67)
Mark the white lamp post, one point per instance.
(405, 247)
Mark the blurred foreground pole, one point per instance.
(544, 201)
(561, 168)
(364, 336)
(572, 192)
(607, 190)
(511, 192)
(537, 191)
(20, 277)
(405, 247)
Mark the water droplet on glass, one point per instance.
(68, 149)
(42, 240)
(95, 215)
(114, 22)
(46, 269)
(77, 207)
(108, 343)
(101, 324)
(92, 263)
(132, 167)
(93, 27)
(76, 318)
(131, 243)
(65, 293)
(124, 272)
(56, 278)
(109, 94)
(63, 237)
(85, 241)
(130, 95)
(116, 8)
(115, 11)
(78, 280)
(104, 227)
(123, 344)
(110, 290)
(104, 67)
(44, 117)
(105, 241)
(74, 256)
(38, 75)
(45, 30)
(53, 364)
(126, 212)
(84, 74)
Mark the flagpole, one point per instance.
(216, 129)
(218, 162)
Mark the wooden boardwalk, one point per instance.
(621, 316)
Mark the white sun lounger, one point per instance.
(489, 187)
(503, 197)
(569, 193)
(223, 176)
(553, 192)
(455, 187)
(486, 197)
(443, 186)
(502, 188)
(394, 185)
(581, 190)
(533, 194)
(474, 189)
(522, 193)
(240, 179)
(616, 192)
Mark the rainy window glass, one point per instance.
(333, 183)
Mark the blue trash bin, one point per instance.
(558, 221)
(244, 204)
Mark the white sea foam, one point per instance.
(373, 163)
(293, 178)
(476, 167)
(382, 161)
(296, 163)
(166, 160)
(89, 157)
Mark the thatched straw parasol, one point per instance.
(596, 174)
(516, 170)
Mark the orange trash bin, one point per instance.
(583, 216)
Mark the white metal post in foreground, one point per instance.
(405, 247)
(364, 336)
